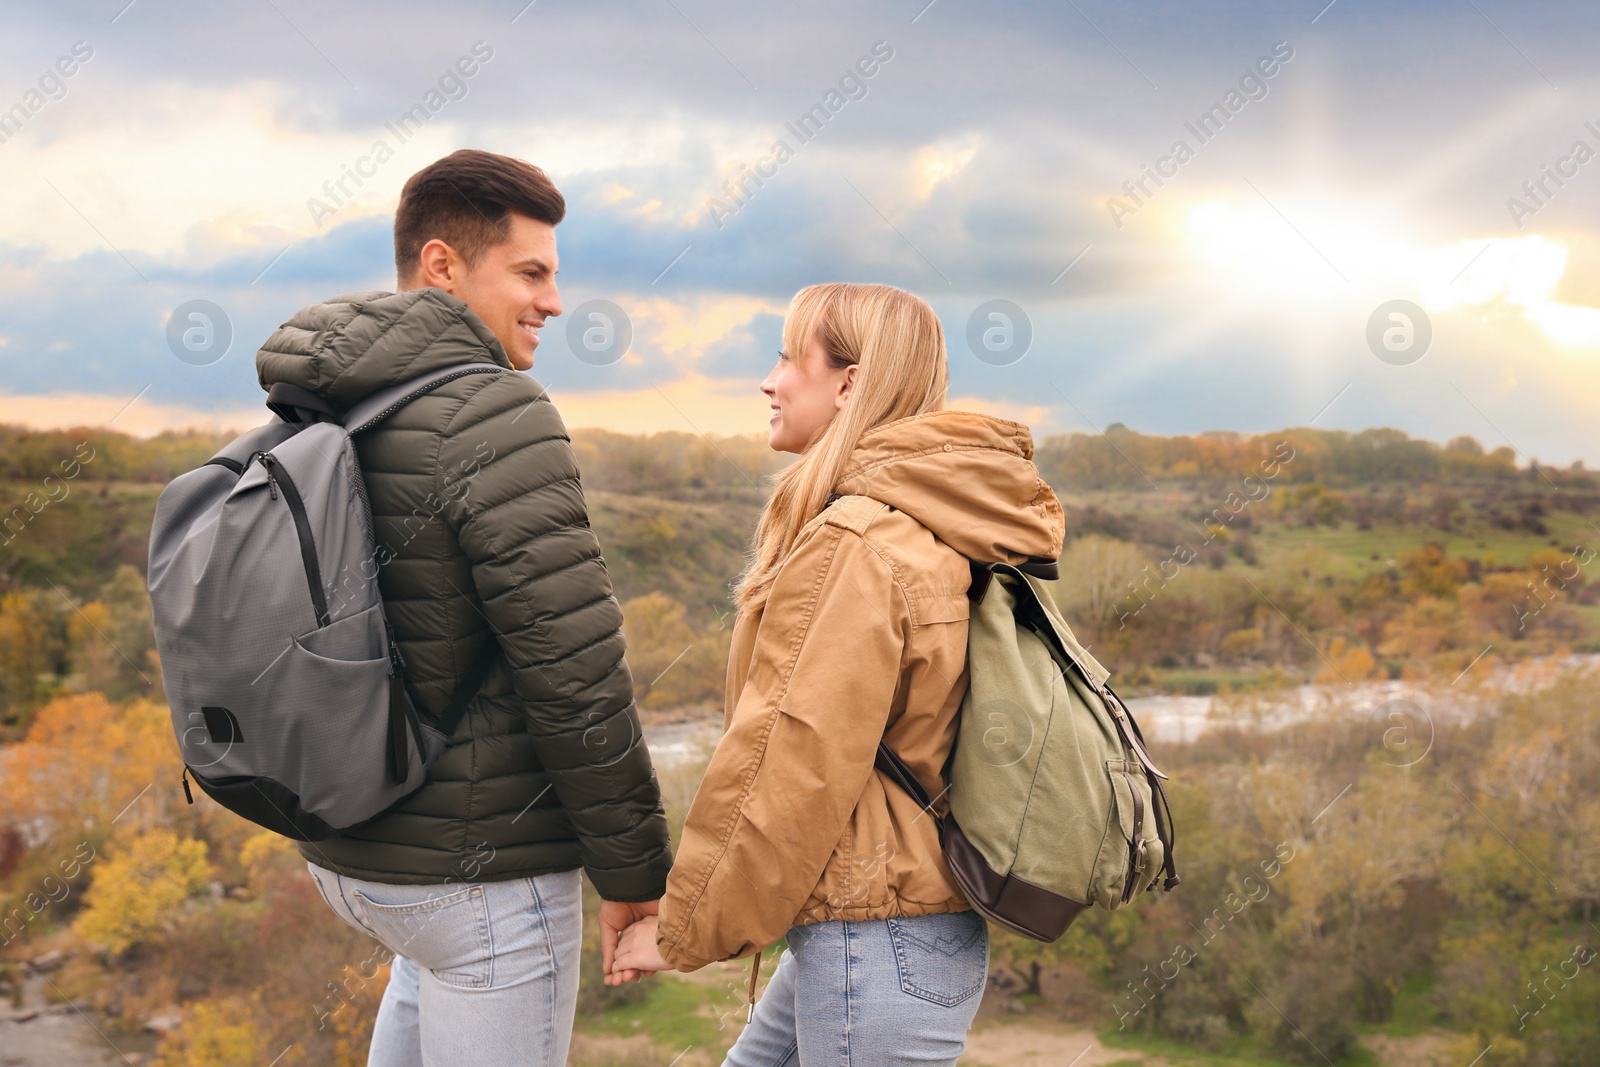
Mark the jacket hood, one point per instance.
(969, 478)
(351, 346)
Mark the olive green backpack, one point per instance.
(1054, 802)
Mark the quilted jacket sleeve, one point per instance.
(797, 754)
(537, 568)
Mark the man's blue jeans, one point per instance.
(484, 973)
(883, 992)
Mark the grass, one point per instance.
(1413, 1012)
(673, 1016)
(1350, 551)
(680, 1012)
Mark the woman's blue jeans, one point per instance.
(484, 973)
(878, 993)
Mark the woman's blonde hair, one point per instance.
(897, 345)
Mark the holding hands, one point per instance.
(628, 941)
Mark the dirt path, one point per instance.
(39, 1033)
(1029, 1044)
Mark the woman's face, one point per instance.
(805, 394)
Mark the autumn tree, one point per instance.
(138, 888)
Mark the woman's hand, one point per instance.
(636, 951)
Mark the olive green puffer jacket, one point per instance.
(483, 536)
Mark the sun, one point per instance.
(1310, 257)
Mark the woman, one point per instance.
(852, 628)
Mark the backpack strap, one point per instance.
(385, 402)
(297, 404)
(476, 674)
(898, 772)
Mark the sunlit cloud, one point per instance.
(936, 164)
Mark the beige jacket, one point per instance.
(863, 637)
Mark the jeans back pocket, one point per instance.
(443, 932)
(941, 958)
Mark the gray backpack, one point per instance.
(282, 675)
(1054, 802)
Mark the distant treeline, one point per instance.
(1122, 458)
(674, 464)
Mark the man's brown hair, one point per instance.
(464, 200)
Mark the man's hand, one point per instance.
(616, 916)
(637, 952)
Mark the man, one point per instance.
(489, 571)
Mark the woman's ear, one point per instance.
(845, 385)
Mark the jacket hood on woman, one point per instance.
(968, 478)
(861, 637)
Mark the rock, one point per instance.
(1004, 980)
(47, 961)
(163, 1023)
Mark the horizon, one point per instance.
(1520, 463)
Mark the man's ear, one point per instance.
(440, 266)
(845, 386)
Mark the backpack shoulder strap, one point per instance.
(467, 689)
(385, 402)
(899, 772)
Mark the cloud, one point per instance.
(978, 165)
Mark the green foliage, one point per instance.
(1334, 883)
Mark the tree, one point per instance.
(1097, 570)
(137, 889)
(673, 662)
(84, 760)
(216, 1034)
(29, 647)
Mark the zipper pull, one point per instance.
(266, 461)
(187, 795)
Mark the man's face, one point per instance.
(512, 287)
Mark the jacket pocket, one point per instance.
(447, 933)
(941, 958)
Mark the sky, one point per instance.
(1232, 216)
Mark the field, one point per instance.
(1412, 900)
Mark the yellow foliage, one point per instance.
(673, 663)
(216, 1034)
(266, 858)
(352, 1026)
(1425, 629)
(84, 760)
(1429, 572)
(1346, 663)
(136, 890)
(1242, 643)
